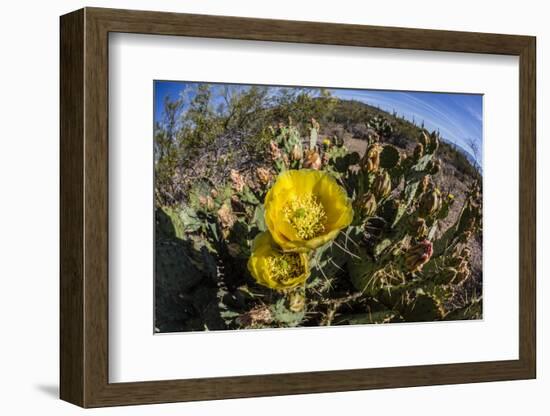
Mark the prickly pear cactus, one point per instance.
(401, 257)
(401, 267)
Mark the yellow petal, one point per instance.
(333, 197)
(299, 181)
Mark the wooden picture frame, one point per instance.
(84, 207)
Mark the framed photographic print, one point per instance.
(260, 207)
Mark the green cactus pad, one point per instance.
(389, 157)
(378, 317)
(423, 308)
(284, 316)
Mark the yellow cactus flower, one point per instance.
(305, 209)
(275, 269)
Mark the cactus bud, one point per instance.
(312, 160)
(430, 203)
(326, 142)
(424, 140)
(419, 229)
(470, 217)
(371, 159)
(297, 152)
(315, 124)
(381, 187)
(425, 184)
(418, 255)
(226, 216)
(314, 133)
(237, 180)
(274, 150)
(286, 162)
(207, 202)
(436, 167)
(367, 205)
(418, 151)
(264, 175)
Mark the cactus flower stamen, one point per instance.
(306, 215)
(284, 267)
(275, 269)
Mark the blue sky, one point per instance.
(458, 117)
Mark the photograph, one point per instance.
(288, 206)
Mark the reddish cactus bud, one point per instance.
(418, 255)
(312, 160)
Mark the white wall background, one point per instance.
(29, 84)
